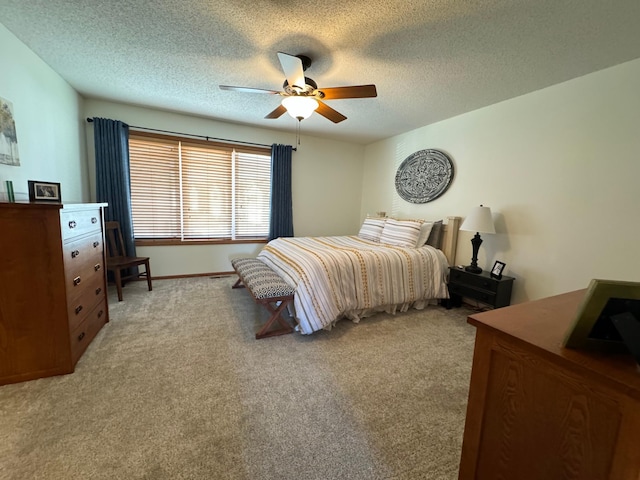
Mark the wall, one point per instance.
(48, 118)
(327, 180)
(558, 167)
(53, 133)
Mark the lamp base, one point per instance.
(476, 241)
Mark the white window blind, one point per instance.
(197, 190)
(252, 187)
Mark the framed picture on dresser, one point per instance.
(44, 192)
(595, 325)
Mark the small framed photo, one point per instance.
(44, 192)
(496, 271)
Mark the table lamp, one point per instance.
(479, 221)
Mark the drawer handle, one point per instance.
(72, 224)
(100, 313)
(98, 290)
(97, 267)
(95, 244)
(80, 337)
(94, 220)
(76, 281)
(78, 309)
(75, 253)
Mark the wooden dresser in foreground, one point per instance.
(52, 287)
(538, 411)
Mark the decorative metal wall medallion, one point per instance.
(424, 175)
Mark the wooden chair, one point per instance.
(117, 259)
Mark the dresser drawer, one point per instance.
(473, 280)
(82, 335)
(85, 250)
(85, 274)
(74, 223)
(79, 306)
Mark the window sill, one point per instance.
(142, 242)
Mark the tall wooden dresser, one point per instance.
(53, 298)
(538, 410)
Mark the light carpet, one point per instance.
(176, 387)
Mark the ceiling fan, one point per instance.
(302, 95)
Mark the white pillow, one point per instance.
(403, 233)
(372, 229)
(425, 230)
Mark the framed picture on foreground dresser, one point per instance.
(593, 327)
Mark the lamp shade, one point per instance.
(300, 107)
(479, 220)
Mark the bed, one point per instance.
(357, 276)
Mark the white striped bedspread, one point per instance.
(338, 277)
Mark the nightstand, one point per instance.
(480, 287)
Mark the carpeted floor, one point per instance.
(176, 387)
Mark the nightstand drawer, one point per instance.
(484, 296)
(481, 287)
(473, 280)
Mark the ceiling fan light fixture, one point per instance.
(300, 107)
(301, 94)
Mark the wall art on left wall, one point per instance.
(8, 138)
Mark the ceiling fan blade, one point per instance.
(357, 91)
(248, 89)
(277, 112)
(328, 112)
(292, 68)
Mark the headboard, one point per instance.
(450, 239)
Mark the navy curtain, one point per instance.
(113, 181)
(281, 221)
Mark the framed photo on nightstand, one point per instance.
(496, 271)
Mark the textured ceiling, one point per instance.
(430, 59)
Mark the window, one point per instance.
(198, 190)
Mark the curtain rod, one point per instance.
(207, 138)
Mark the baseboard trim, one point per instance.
(188, 275)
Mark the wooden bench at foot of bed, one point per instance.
(267, 288)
